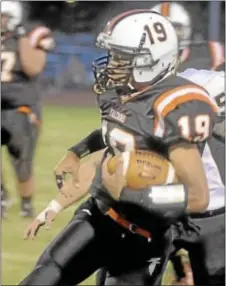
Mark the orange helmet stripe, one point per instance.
(110, 26)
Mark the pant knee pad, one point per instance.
(101, 277)
(24, 171)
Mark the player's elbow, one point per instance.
(198, 200)
(35, 66)
(204, 201)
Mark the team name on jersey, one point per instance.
(117, 115)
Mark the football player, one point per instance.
(208, 264)
(191, 53)
(143, 106)
(23, 58)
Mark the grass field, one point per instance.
(62, 127)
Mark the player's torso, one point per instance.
(130, 125)
(128, 122)
(11, 69)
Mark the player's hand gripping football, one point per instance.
(116, 182)
(69, 164)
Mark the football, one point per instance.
(143, 168)
(41, 37)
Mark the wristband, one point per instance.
(92, 143)
(53, 206)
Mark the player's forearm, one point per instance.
(32, 59)
(79, 189)
(60, 202)
(197, 202)
(188, 166)
(92, 143)
(168, 201)
(66, 202)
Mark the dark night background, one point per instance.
(90, 16)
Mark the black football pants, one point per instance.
(93, 240)
(207, 252)
(20, 137)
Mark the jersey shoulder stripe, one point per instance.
(170, 100)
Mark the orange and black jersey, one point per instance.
(17, 89)
(174, 110)
(11, 69)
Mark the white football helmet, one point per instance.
(14, 12)
(180, 19)
(147, 47)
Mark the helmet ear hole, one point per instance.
(142, 61)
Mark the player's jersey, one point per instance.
(170, 112)
(214, 149)
(17, 89)
(157, 118)
(212, 81)
(11, 70)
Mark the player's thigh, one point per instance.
(5, 136)
(208, 255)
(24, 136)
(150, 274)
(76, 250)
(101, 276)
(6, 125)
(142, 262)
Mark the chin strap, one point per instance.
(97, 89)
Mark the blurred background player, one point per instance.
(23, 58)
(192, 51)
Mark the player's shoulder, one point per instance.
(176, 91)
(169, 84)
(176, 85)
(165, 88)
(183, 103)
(201, 76)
